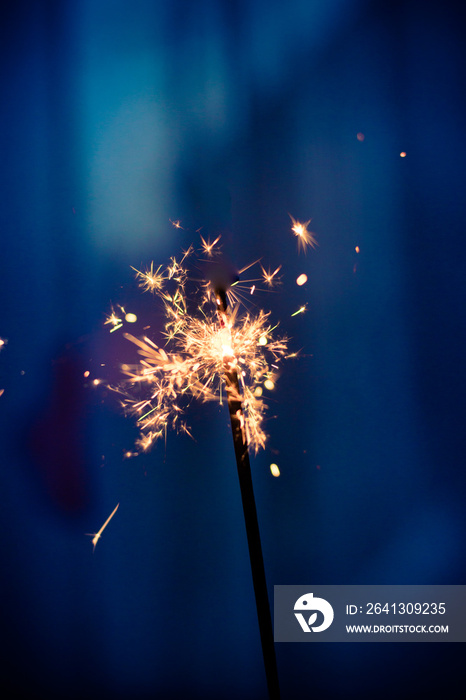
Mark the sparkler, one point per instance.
(199, 341)
(209, 346)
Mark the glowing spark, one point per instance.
(302, 279)
(304, 236)
(403, 154)
(1, 392)
(113, 320)
(275, 470)
(269, 384)
(301, 310)
(3, 342)
(150, 281)
(357, 249)
(96, 536)
(269, 276)
(86, 373)
(131, 318)
(96, 382)
(207, 246)
(360, 136)
(246, 267)
(202, 343)
(176, 224)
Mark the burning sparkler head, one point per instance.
(206, 346)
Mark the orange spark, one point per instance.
(96, 536)
(302, 279)
(304, 236)
(114, 320)
(268, 276)
(207, 246)
(176, 224)
(150, 281)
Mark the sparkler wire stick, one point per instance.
(250, 518)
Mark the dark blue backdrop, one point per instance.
(116, 118)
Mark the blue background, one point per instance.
(117, 117)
